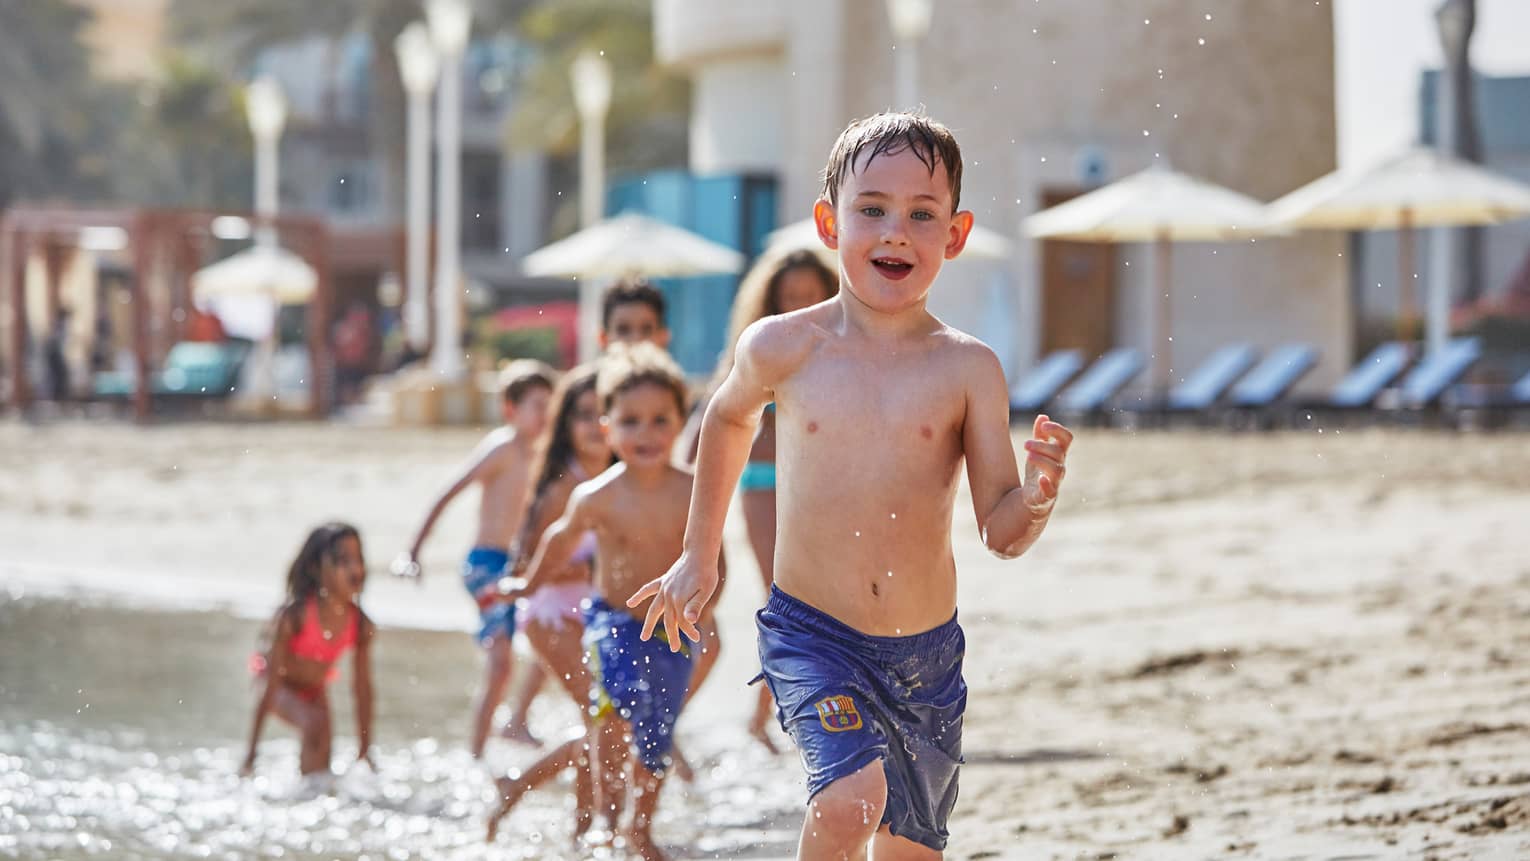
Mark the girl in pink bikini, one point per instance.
(317, 625)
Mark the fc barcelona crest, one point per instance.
(838, 714)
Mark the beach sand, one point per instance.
(1296, 645)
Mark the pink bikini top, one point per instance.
(309, 642)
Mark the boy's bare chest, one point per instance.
(898, 400)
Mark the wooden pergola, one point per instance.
(155, 237)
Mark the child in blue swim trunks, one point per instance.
(637, 511)
(500, 466)
(878, 405)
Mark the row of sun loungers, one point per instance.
(1237, 382)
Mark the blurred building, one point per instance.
(1504, 129)
(1049, 100)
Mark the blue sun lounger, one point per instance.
(1272, 379)
(1212, 378)
(1430, 378)
(1041, 385)
(1363, 384)
(1092, 391)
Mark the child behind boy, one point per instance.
(501, 467)
(877, 405)
(631, 312)
(637, 510)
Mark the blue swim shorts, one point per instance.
(849, 699)
(645, 683)
(480, 573)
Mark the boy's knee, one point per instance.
(852, 805)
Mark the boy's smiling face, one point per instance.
(893, 227)
(642, 425)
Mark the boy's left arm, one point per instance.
(362, 683)
(1011, 513)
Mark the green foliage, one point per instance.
(647, 125)
(505, 344)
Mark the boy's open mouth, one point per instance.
(892, 267)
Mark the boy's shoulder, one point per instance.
(778, 344)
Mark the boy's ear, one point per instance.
(828, 226)
(661, 337)
(600, 338)
(507, 409)
(605, 428)
(961, 228)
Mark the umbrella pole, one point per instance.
(1407, 278)
(1163, 336)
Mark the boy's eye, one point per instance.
(923, 215)
(871, 211)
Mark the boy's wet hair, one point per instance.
(628, 366)
(889, 134)
(522, 375)
(630, 291)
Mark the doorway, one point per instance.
(1078, 290)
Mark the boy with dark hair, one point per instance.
(632, 310)
(500, 466)
(878, 403)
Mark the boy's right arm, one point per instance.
(727, 432)
(478, 466)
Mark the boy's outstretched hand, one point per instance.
(678, 599)
(1046, 455)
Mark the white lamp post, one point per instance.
(420, 68)
(450, 21)
(910, 23)
(1454, 19)
(266, 109)
(592, 95)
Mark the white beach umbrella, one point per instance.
(263, 271)
(1416, 188)
(1161, 206)
(982, 243)
(632, 244)
(626, 245)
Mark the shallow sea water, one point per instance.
(121, 732)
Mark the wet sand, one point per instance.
(1303, 645)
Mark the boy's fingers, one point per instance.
(1040, 422)
(1046, 449)
(649, 588)
(671, 627)
(1048, 487)
(1048, 468)
(1062, 435)
(655, 610)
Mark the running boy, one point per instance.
(877, 405)
(637, 511)
(501, 467)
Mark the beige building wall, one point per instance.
(1244, 98)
